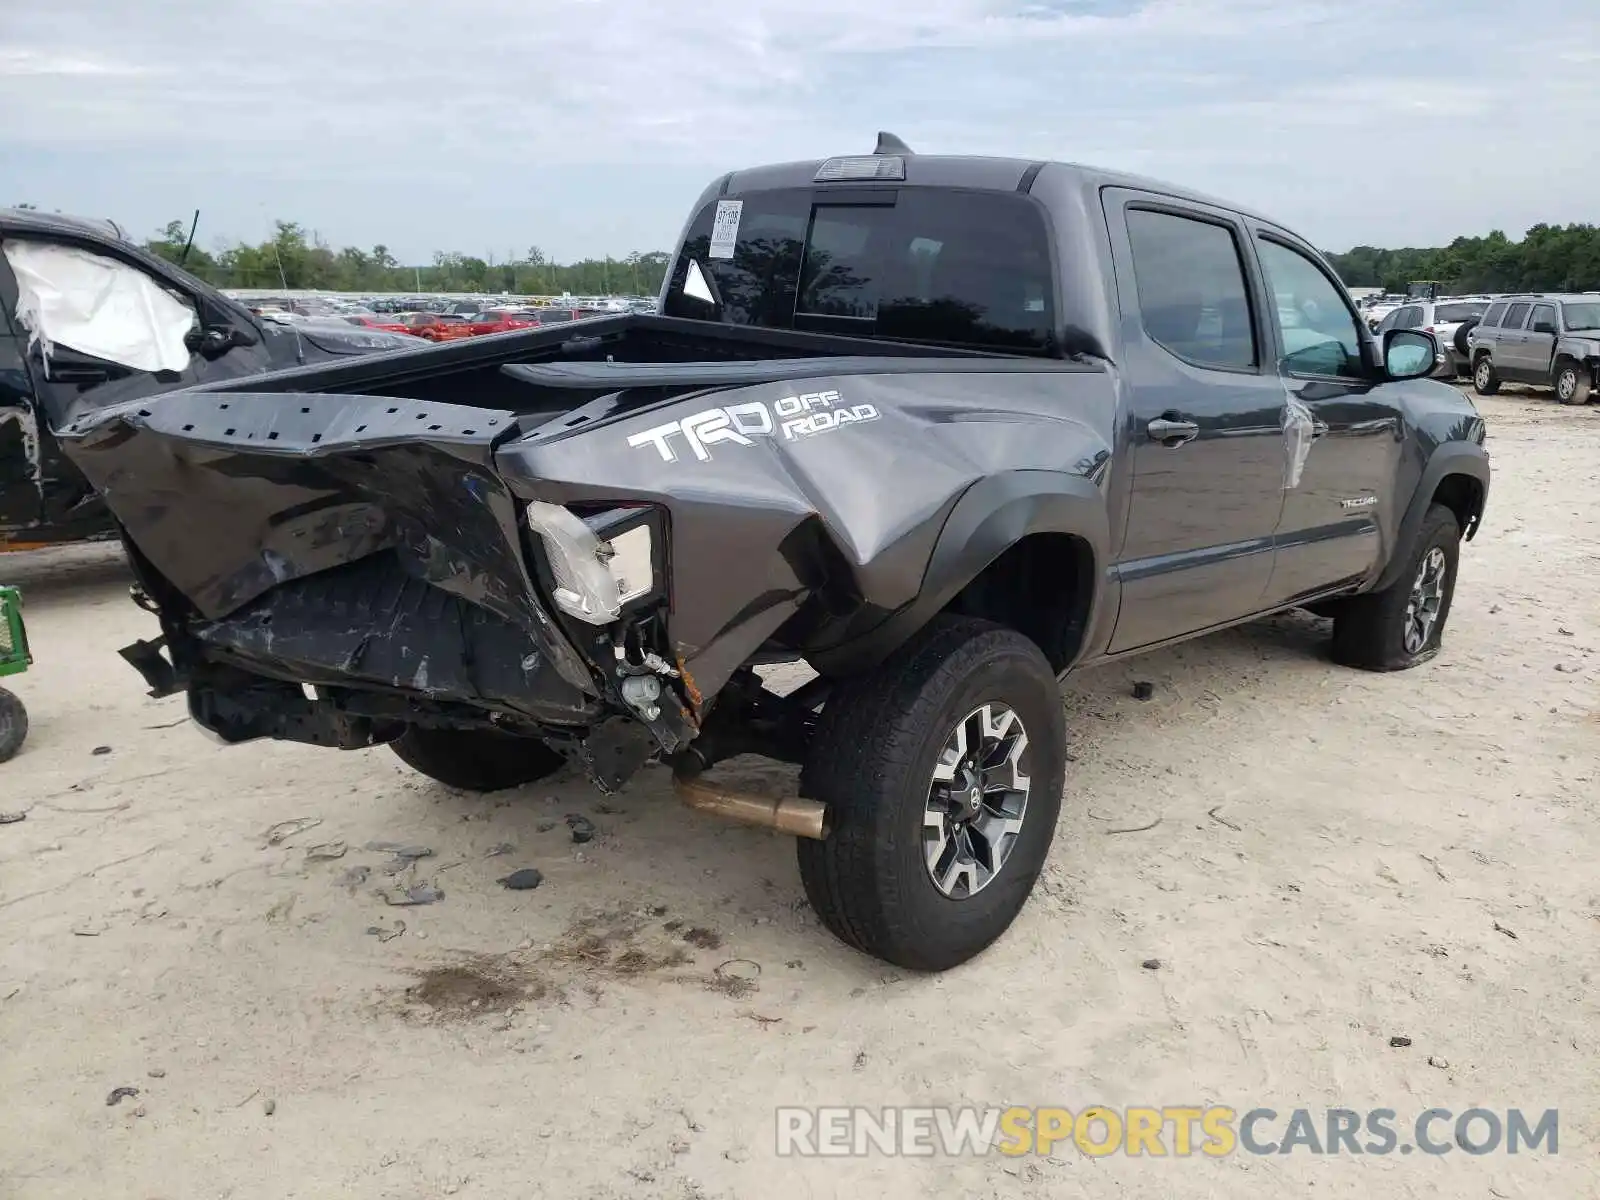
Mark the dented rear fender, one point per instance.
(773, 491)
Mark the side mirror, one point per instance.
(1409, 353)
(216, 340)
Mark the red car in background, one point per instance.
(384, 321)
(435, 327)
(502, 320)
(449, 327)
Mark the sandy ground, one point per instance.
(1340, 859)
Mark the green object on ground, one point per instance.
(14, 656)
(14, 659)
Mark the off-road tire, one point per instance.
(1369, 631)
(1579, 393)
(476, 760)
(1484, 379)
(13, 724)
(871, 761)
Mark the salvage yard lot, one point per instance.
(1319, 859)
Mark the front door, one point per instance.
(1346, 454)
(20, 502)
(1539, 342)
(104, 338)
(1206, 410)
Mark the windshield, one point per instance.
(1582, 316)
(914, 264)
(1444, 314)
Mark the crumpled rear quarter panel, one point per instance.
(881, 487)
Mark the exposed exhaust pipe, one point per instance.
(790, 814)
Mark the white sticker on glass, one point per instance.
(725, 228)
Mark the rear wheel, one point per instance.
(1484, 380)
(1572, 384)
(13, 724)
(942, 771)
(476, 760)
(1403, 625)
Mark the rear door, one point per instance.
(1206, 410)
(1510, 343)
(1343, 465)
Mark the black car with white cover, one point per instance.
(942, 428)
(87, 318)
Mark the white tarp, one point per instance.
(98, 306)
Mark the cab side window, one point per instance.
(1320, 334)
(1544, 319)
(81, 307)
(1193, 300)
(1491, 318)
(1515, 315)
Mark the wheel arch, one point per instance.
(1010, 545)
(1457, 476)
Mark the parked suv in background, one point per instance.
(1553, 341)
(1442, 318)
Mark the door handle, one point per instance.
(1172, 431)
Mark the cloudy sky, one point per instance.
(587, 126)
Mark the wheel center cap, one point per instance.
(970, 800)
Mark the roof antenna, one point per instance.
(888, 143)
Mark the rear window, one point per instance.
(1515, 315)
(934, 265)
(1494, 313)
(1444, 314)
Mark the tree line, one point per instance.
(294, 259)
(1549, 258)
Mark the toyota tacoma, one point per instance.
(942, 428)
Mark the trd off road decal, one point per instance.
(788, 419)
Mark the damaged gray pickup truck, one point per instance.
(942, 428)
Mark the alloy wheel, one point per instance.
(977, 800)
(1427, 598)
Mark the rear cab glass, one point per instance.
(938, 265)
